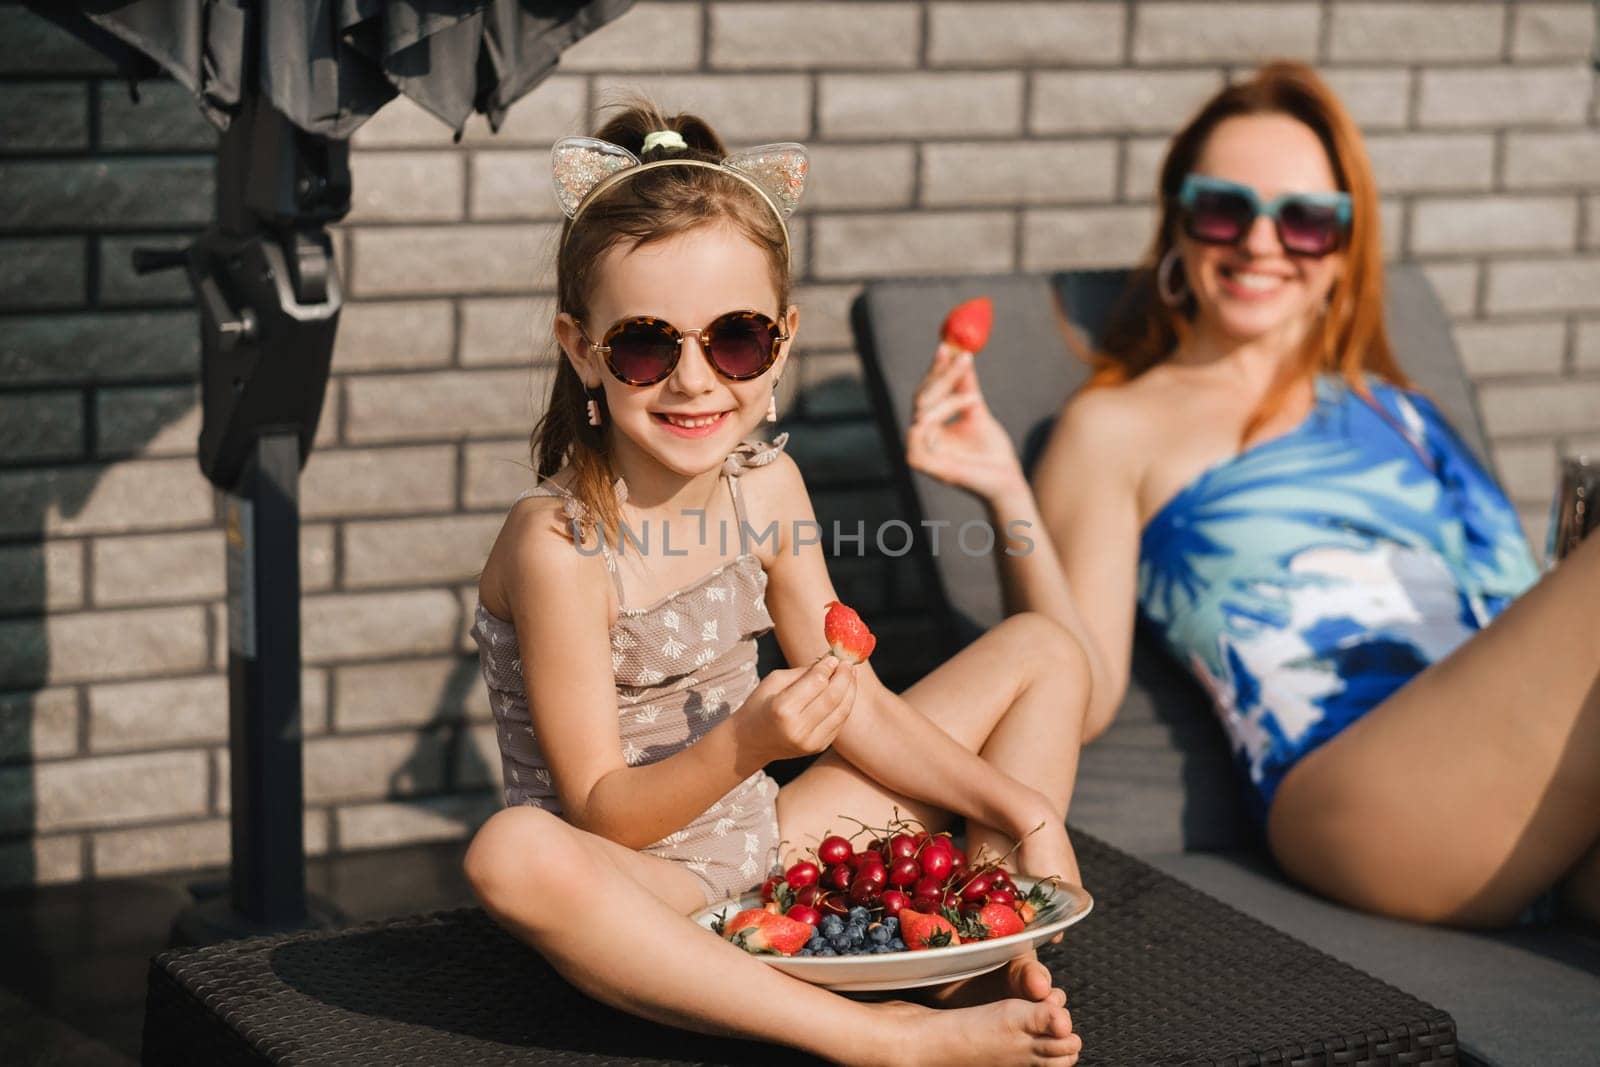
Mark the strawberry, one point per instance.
(758, 930)
(1001, 919)
(848, 637)
(967, 326)
(926, 931)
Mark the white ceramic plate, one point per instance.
(907, 970)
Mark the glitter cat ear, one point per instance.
(578, 164)
(779, 169)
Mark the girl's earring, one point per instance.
(772, 404)
(593, 409)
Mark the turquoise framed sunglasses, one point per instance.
(1219, 212)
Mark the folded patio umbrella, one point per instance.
(329, 65)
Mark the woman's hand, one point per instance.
(795, 712)
(953, 436)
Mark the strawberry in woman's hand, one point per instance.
(758, 930)
(920, 931)
(967, 326)
(847, 636)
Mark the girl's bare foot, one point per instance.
(1023, 977)
(1005, 1032)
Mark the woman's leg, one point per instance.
(541, 878)
(1473, 788)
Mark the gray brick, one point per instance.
(747, 109)
(148, 420)
(1586, 351)
(41, 577)
(1018, 172)
(102, 791)
(44, 117)
(1493, 224)
(861, 176)
(508, 331)
(159, 568)
(496, 472)
(1142, 167)
(167, 116)
(815, 36)
(1432, 162)
(831, 385)
(41, 861)
(168, 712)
(555, 108)
(452, 818)
(40, 426)
(121, 497)
(1536, 160)
(393, 335)
(345, 483)
(150, 849)
(42, 272)
(924, 243)
(1376, 99)
(1527, 470)
(99, 347)
(30, 44)
(1010, 34)
(513, 185)
(94, 646)
(824, 317)
(1491, 348)
(1504, 96)
(374, 766)
(1118, 101)
(417, 551)
(1410, 33)
(39, 195)
(920, 105)
(1456, 285)
(410, 694)
(1538, 285)
(407, 260)
(42, 724)
(1552, 31)
(1224, 32)
(1086, 237)
(316, 558)
(1539, 409)
(339, 628)
(407, 186)
(646, 37)
(119, 285)
(443, 404)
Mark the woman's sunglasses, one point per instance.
(1221, 212)
(642, 350)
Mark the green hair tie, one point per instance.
(664, 139)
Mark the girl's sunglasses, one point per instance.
(643, 350)
(1221, 212)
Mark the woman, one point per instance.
(1249, 466)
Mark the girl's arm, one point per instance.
(558, 600)
(884, 737)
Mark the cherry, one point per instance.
(834, 849)
(935, 862)
(902, 846)
(865, 892)
(837, 876)
(769, 888)
(1000, 896)
(875, 874)
(952, 900)
(894, 901)
(834, 904)
(924, 903)
(976, 889)
(803, 874)
(811, 896)
(801, 913)
(905, 871)
(958, 859)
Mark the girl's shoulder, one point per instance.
(535, 550)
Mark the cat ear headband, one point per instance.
(583, 168)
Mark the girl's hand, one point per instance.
(953, 436)
(796, 711)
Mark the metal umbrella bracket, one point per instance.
(288, 81)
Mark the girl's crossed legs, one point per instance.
(646, 958)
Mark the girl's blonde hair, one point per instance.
(657, 204)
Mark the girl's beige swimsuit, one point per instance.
(682, 665)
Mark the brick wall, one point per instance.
(947, 137)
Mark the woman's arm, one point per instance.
(884, 737)
(559, 600)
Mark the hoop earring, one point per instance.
(592, 409)
(1170, 295)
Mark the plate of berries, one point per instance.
(901, 909)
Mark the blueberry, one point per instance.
(892, 923)
(805, 952)
(898, 945)
(831, 925)
(879, 935)
(858, 912)
(816, 942)
(878, 950)
(856, 934)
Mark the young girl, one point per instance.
(621, 664)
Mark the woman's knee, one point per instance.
(513, 846)
(1048, 648)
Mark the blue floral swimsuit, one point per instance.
(1307, 578)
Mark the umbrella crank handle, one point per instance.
(231, 328)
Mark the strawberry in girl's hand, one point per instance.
(758, 930)
(967, 326)
(920, 931)
(848, 637)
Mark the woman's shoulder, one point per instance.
(1112, 421)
